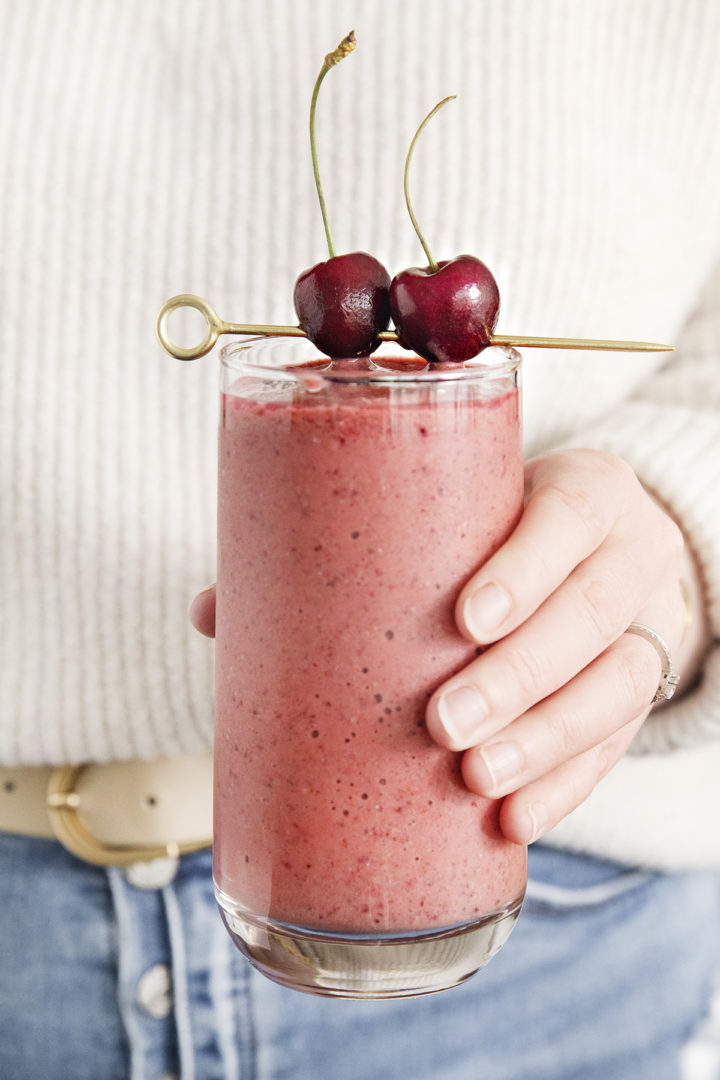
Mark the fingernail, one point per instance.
(503, 761)
(462, 712)
(485, 610)
(537, 818)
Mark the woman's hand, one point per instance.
(558, 696)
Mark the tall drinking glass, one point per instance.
(355, 499)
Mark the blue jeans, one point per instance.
(605, 977)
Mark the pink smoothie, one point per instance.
(348, 521)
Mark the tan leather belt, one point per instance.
(116, 814)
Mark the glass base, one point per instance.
(368, 965)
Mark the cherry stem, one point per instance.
(416, 136)
(346, 46)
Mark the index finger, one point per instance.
(575, 498)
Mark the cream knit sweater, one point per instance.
(154, 147)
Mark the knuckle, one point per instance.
(588, 485)
(604, 759)
(540, 567)
(593, 765)
(578, 501)
(638, 676)
(598, 606)
(612, 471)
(617, 469)
(526, 672)
(621, 480)
(565, 733)
(672, 537)
(581, 784)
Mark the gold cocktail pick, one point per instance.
(589, 344)
(217, 326)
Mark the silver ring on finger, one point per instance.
(669, 678)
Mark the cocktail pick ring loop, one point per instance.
(215, 326)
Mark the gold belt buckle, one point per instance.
(63, 802)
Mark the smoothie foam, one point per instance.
(349, 518)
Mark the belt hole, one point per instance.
(9, 786)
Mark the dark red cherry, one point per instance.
(445, 314)
(445, 311)
(343, 304)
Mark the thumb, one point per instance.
(202, 612)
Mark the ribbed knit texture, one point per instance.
(149, 148)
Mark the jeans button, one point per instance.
(153, 874)
(154, 992)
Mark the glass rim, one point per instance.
(241, 356)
